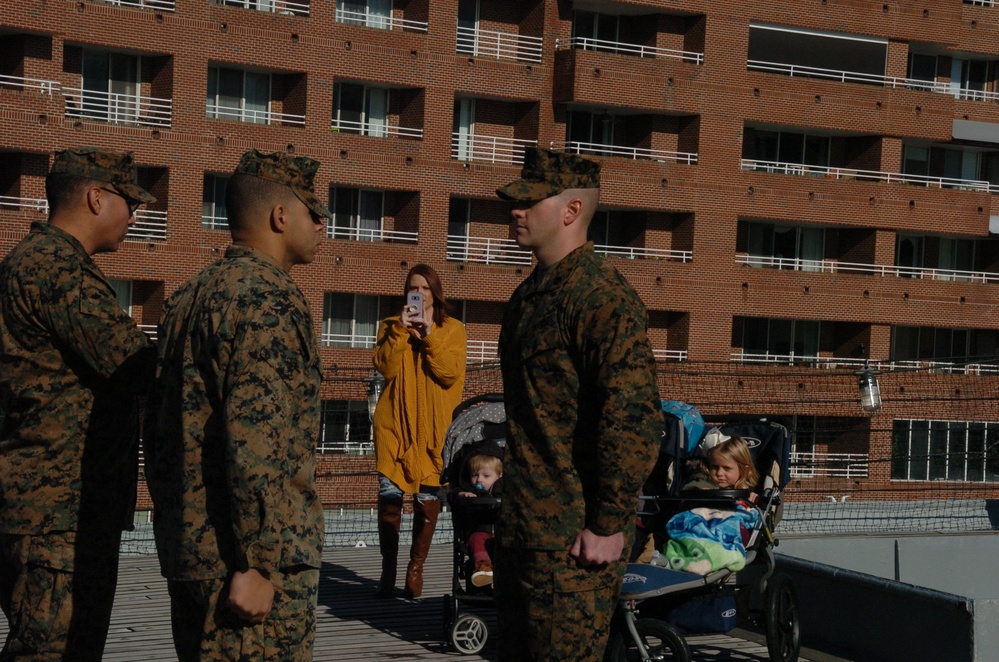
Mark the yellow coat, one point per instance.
(424, 380)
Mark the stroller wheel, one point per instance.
(661, 641)
(781, 620)
(469, 634)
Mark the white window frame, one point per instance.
(211, 219)
(373, 113)
(933, 452)
(121, 96)
(242, 113)
(363, 223)
(342, 332)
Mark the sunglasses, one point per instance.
(133, 205)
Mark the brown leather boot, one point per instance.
(424, 522)
(389, 519)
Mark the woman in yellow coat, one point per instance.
(421, 354)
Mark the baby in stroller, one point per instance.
(486, 476)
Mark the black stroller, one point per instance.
(672, 602)
(478, 427)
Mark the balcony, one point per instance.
(363, 234)
(214, 222)
(283, 7)
(486, 251)
(845, 363)
(375, 129)
(19, 82)
(216, 111)
(348, 340)
(829, 172)
(164, 5)
(634, 153)
(481, 351)
(588, 44)
(118, 108)
(379, 22)
(630, 253)
(9, 203)
(490, 149)
(834, 266)
(812, 464)
(669, 354)
(500, 45)
(150, 225)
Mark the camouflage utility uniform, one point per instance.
(581, 399)
(232, 460)
(71, 364)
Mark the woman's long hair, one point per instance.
(441, 306)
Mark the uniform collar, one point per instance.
(42, 227)
(554, 276)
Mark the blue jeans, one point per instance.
(389, 490)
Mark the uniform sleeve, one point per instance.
(260, 411)
(393, 341)
(620, 365)
(445, 353)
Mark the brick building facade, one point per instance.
(796, 192)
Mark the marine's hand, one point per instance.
(591, 549)
(251, 595)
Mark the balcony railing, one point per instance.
(24, 204)
(214, 222)
(670, 354)
(605, 46)
(835, 266)
(491, 149)
(357, 340)
(939, 87)
(118, 108)
(379, 22)
(216, 111)
(370, 234)
(374, 129)
(829, 172)
(149, 329)
(843, 465)
(150, 225)
(481, 351)
(43, 86)
(981, 3)
(284, 7)
(165, 5)
(501, 45)
(486, 250)
(645, 253)
(634, 153)
(839, 362)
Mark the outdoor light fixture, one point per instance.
(375, 384)
(870, 392)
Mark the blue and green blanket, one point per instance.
(703, 540)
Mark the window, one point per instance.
(238, 95)
(458, 218)
(123, 290)
(357, 213)
(922, 67)
(969, 78)
(945, 450)
(915, 160)
(464, 129)
(792, 147)
(596, 31)
(345, 427)
(768, 340)
(587, 130)
(949, 347)
(468, 27)
(956, 255)
(793, 247)
(213, 213)
(350, 320)
(110, 86)
(370, 13)
(361, 109)
(802, 52)
(909, 254)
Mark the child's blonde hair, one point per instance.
(736, 449)
(478, 462)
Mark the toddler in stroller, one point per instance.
(485, 472)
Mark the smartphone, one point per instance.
(414, 302)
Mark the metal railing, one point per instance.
(810, 464)
(634, 153)
(981, 3)
(481, 351)
(284, 7)
(379, 22)
(486, 250)
(839, 362)
(216, 111)
(118, 108)
(214, 222)
(371, 234)
(149, 329)
(834, 266)
(150, 224)
(165, 5)
(44, 86)
(24, 204)
(644, 253)
(588, 44)
(491, 149)
(374, 129)
(357, 340)
(501, 45)
(670, 354)
(802, 169)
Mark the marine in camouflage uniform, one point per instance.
(71, 365)
(581, 400)
(234, 422)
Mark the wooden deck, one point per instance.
(352, 623)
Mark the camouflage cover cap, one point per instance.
(116, 168)
(295, 172)
(547, 173)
